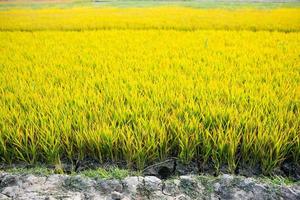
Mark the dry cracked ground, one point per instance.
(42, 187)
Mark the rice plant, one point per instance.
(216, 92)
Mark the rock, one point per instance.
(248, 181)
(55, 180)
(8, 180)
(289, 193)
(77, 183)
(190, 186)
(11, 191)
(241, 194)
(143, 187)
(217, 187)
(246, 184)
(74, 196)
(182, 197)
(171, 187)
(152, 183)
(226, 179)
(262, 192)
(225, 187)
(50, 198)
(151, 187)
(131, 183)
(116, 195)
(4, 197)
(32, 183)
(108, 186)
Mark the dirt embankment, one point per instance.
(27, 186)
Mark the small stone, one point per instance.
(32, 183)
(9, 180)
(75, 196)
(248, 181)
(116, 185)
(226, 178)
(190, 186)
(4, 197)
(188, 181)
(107, 186)
(217, 187)
(182, 197)
(50, 198)
(55, 180)
(78, 183)
(241, 194)
(116, 195)
(11, 191)
(289, 193)
(152, 183)
(132, 183)
(171, 187)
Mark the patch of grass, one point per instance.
(38, 170)
(100, 173)
(278, 180)
(111, 173)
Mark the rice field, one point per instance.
(143, 84)
(169, 18)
